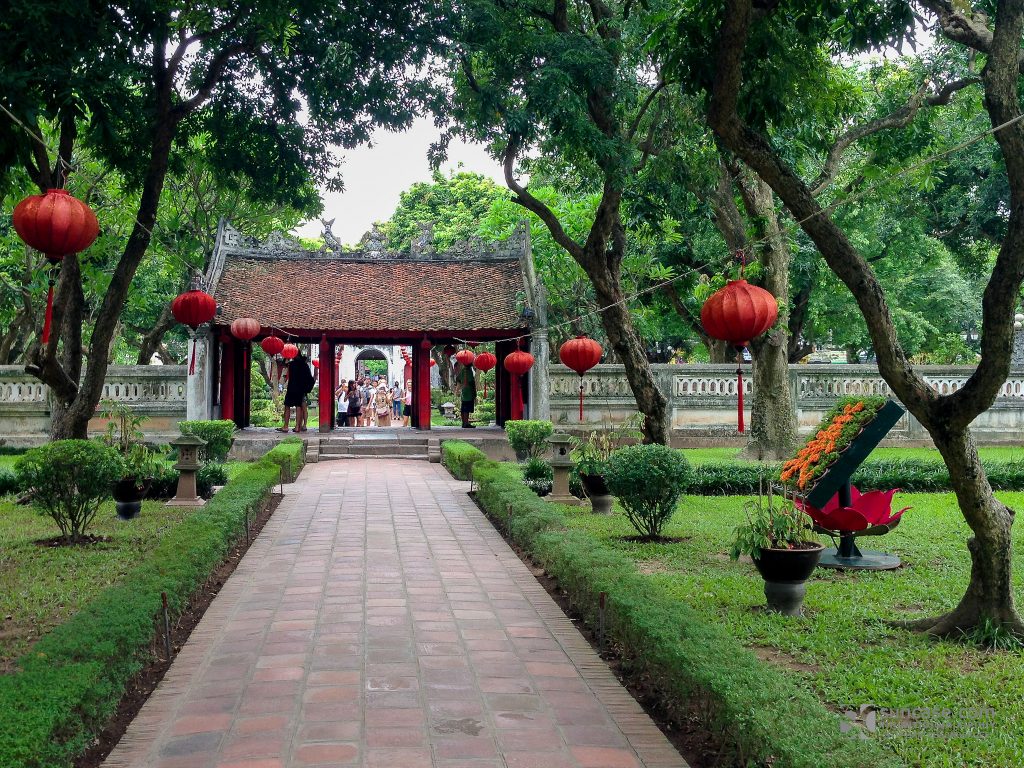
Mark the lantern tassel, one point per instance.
(739, 403)
(581, 399)
(48, 317)
(192, 363)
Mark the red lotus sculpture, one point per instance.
(869, 514)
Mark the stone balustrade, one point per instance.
(157, 392)
(702, 399)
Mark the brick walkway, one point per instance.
(380, 620)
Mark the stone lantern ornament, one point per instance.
(561, 463)
(187, 465)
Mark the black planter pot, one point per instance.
(128, 495)
(598, 493)
(785, 572)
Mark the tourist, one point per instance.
(382, 405)
(366, 401)
(407, 409)
(352, 396)
(341, 396)
(396, 403)
(467, 385)
(300, 384)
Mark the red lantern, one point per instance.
(485, 361)
(433, 362)
(316, 363)
(289, 351)
(581, 354)
(449, 350)
(518, 362)
(738, 313)
(55, 224)
(193, 308)
(465, 356)
(272, 345)
(245, 328)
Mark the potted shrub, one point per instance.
(779, 539)
(139, 464)
(590, 455)
(648, 480)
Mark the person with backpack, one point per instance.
(300, 384)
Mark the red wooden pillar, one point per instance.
(243, 397)
(420, 387)
(502, 384)
(326, 400)
(227, 379)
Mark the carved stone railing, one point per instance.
(157, 392)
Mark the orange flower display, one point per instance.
(842, 424)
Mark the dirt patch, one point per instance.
(84, 541)
(655, 539)
(146, 680)
(651, 567)
(782, 659)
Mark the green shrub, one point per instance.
(60, 696)
(458, 457)
(648, 481)
(529, 437)
(484, 412)
(219, 437)
(69, 479)
(210, 475)
(739, 698)
(537, 469)
(8, 483)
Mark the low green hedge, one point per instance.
(910, 475)
(763, 716)
(64, 691)
(458, 457)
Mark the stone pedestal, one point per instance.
(187, 466)
(561, 464)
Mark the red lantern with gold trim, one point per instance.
(580, 354)
(738, 313)
(57, 224)
(193, 308)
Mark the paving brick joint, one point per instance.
(380, 620)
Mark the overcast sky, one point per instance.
(375, 176)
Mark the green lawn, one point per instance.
(41, 587)
(731, 455)
(842, 648)
(7, 463)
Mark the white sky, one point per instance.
(377, 173)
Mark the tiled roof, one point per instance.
(361, 295)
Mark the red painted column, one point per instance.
(326, 400)
(227, 380)
(421, 386)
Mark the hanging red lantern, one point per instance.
(289, 351)
(316, 363)
(465, 356)
(272, 345)
(517, 363)
(448, 350)
(245, 328)
(738, 313)
(193, 308)
(57, 224)
(580, 354)
(433, 362)
(484, 362)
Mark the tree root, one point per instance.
(956, 624)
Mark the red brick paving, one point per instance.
(380, 620)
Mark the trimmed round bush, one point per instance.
(648, 481)
(528, 438)
(219, 437)
(69, 479)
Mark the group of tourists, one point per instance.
(365, 403)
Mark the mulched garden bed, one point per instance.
(146, 680)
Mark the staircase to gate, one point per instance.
(374, 444)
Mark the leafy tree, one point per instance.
(131, 81)
(742, 30)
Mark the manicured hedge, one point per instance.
(459, 457)
(766, 717)
(68, 686)
(910, 475)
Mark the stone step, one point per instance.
(352, 457)
(372, 450)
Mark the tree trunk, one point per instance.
(772, 414)
(153, 340)
(444, 368)
(618, 326)
(799, 347)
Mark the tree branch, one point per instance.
(213, 75)
(631, 132)
(531, 203)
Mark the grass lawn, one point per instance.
(41, 587)
(7, 463)
(731, 455)
(842, 647)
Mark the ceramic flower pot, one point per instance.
(785, 572)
